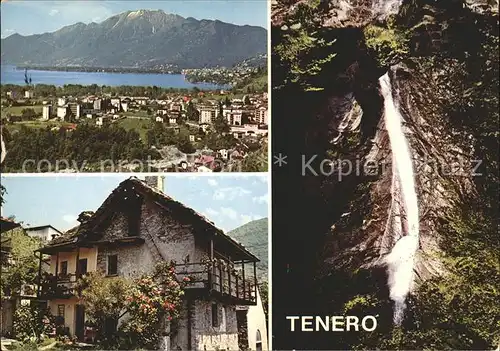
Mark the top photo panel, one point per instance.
(134, 86)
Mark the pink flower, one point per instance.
(169, 318)
(186, 279)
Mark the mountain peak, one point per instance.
(139, 37)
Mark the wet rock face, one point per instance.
(482, 6)
(339, 13)
(356, 240)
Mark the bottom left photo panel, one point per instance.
(169, 262)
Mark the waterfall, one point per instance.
(403, 221)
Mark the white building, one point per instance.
(256, 325)
(261, 115)
(208, 114)
(223, 153)
(233, 116)
(75, 109)
(102, 121)
(61, 102)
(46, 112)
(44, 232)
(124, 106)
(159, 119)
(62, 112)
(116, 102)
(29, 94)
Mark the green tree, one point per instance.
(28, 113)
(256, 161)
(220, 124)
(186, 146)
(104, 301)
(24, 269)
(192, 113)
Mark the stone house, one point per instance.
(138, 226)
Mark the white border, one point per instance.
(269, 184)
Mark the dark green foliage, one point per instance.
(388, 43)
(255, 83)
(192, 114)
(28, 114)
(31, 322)
(25, 267)
(220, 124)
(86, 146)
(301, 48)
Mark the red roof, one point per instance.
(204, 159)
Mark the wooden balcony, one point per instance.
(220, 280)
(216, 279)
(60, 287)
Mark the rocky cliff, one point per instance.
(443, 86)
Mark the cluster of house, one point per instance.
(136, 227)
(103, 109)
(205, 160)
(246, 117)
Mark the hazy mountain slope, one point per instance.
(253, 236)
(139, 38)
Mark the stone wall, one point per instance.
(133, 261)
(168, 238)
(206, 337)
(174, 240)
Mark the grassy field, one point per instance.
(139, 125)
(16, 110)
(37, 124)
(139, 113)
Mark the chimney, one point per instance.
(156, 182)
(85, 216)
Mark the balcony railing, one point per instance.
(62, 286)
(215, 278)
(219, 279)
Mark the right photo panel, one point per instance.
(385, 175)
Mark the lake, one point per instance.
(10, 75)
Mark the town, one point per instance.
(185, 130)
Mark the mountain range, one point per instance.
(254, 236)
(143, 38)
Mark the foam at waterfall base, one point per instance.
(400, 261)
(400, 264)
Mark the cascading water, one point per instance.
(403, 216)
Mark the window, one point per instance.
(64, 268)
(112, 265)
(215, 315)
(258, 341)
(60, 311)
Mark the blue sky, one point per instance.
(35, 17)
(228, 201)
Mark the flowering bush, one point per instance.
(32, 322)
(151, 302)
